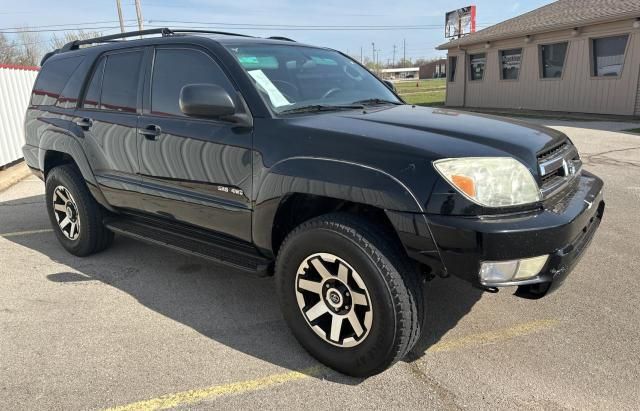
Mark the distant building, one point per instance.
(409, 73)
(571, 55)
(434, 69)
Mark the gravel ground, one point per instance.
(144, 326)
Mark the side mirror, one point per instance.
(206, 100)
(390, 84)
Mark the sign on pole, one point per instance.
(460, 22)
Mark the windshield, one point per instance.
(291, 78)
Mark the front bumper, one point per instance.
(562, 229)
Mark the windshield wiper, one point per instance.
(372, 101)
(321, 107)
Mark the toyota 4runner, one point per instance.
(274, 157)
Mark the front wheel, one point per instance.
(348, 294)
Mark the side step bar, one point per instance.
(217, 248)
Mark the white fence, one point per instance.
(16, 83)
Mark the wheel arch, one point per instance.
(57, 148)
(301, 188)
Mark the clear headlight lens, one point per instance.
(490, 181)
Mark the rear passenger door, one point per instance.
(196, 171)
(108, 117)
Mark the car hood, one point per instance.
(438, 133)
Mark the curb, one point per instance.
(13, 175)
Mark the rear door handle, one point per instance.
(150, 132)
(85, 123)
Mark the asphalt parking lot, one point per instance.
(140, 327)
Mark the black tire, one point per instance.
(391, 280)
(92, 235)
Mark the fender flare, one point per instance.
(337, 179)
(61, 140)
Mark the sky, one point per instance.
(403, 20)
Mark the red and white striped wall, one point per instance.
(16, 83)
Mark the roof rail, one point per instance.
(224, 33)
(74, 45)
(280, 38)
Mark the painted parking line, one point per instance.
(30, 232)
(195, 396)
(493, 336)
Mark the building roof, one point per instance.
(560, 15)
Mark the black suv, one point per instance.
(276, 157)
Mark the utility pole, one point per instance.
(373, 53)
(139, 14)
(119, 6)
(394, 55)
(361, 56)
(404, 47)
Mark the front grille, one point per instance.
(558, 166)
(545, 155)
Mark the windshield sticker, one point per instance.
(276, 97)
(258, 62)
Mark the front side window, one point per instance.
(552, 57)
(120, 82)
(608, 55)
(292, 77)
(510, 61)
(453, 62)
(477, 65)
(174, 69)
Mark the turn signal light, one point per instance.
(465, 184)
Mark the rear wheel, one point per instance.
(75, 215)
(349, 294)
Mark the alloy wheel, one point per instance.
(334, 300)
(65, 210)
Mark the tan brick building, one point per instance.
(571, 56)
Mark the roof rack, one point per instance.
(224, 33)
(164, 31)
(280, 38)
(74, 45)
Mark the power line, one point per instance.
(61, 30)
(63, 25)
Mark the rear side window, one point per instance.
(175, 68)
(52, 79)
(120, 82)
(92, 98)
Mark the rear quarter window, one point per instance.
(54, 75)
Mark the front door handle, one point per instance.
(150, 132)
(84, 123)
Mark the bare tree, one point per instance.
(68, 36)
(29, 46)
(8, 50)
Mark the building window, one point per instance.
(608, 55)
(510, 63)
(478, 62)
(453, 62)
(552, 57)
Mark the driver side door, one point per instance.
(196, 171)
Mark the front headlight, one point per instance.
(490, 181)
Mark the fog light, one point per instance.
(493, 272)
